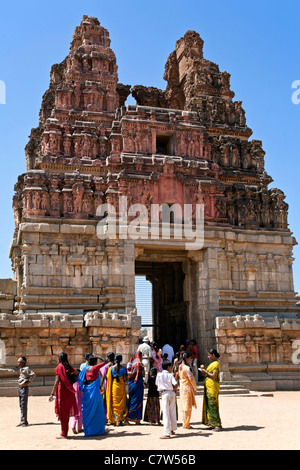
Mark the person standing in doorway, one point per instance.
(26, 376)
(167, 349)
(188, 346)
(146, 351)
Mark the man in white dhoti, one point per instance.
(167, 385)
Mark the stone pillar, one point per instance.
(129, 275)
(204, 302)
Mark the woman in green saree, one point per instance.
(210, 411)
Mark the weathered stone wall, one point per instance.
(41, 337)
(65, 266)
(262, 349)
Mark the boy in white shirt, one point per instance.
(167, 385)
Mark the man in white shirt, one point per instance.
(167, 385)
(167, 349)
(146, 351)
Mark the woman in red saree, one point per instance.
(65, 401)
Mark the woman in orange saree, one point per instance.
(187, 390)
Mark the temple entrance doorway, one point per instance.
(169, 310)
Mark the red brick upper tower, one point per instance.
(189, 142)
(80, 104)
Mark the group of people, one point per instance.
(100, 394)
(152, 354)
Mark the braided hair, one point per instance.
(119, 359)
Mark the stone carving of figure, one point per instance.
(220, 208)
(36, 200)
(191, 150)
(67, 142)
(67, 203)
(86, 146)
(127, 143)
(54, 143)
(45, 144)
(251, 210)
(116, 145)
(78, 191)
(103, 146)
(94, 147)
(86, 203)
(78, 146)
(28, 200)
(240, 114)
(231, 213)
(44, 201)
(55, 203)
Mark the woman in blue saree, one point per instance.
(93, 414)
(135, 372)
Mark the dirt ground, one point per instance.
(249, 423)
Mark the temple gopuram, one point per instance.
(188, 145)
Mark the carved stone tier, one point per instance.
(42, 336)
(263, 349)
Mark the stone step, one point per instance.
(226, 390)
(40, 386)
(43, 386)
(44, 390)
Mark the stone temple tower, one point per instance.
(89, 217)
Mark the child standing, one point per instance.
(167, 385)
(77, 419)
(152, 410)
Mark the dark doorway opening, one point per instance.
(164, 144)
(169, 319)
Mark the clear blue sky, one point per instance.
(257, 42)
